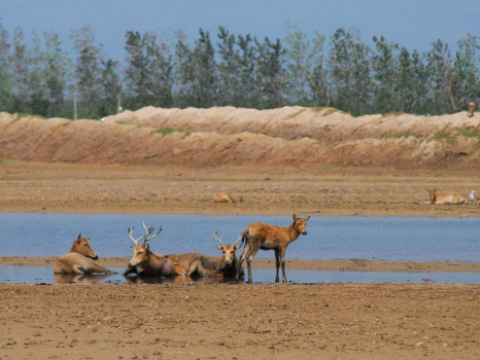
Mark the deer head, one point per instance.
(228, 250)
(82, 246)
(300, 224)
(141, 252)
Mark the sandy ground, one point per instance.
(240, 322)
(351, 265)
(74, 188)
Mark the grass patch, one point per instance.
(448, 137)
(23, 115)
(325, 167)
(393, 114)
(295, 114)
(469, 133)
(330, 111)
(399, 135)
(67, 124)
(308, 136)
(334, 145)
(317, 109)
(1, 160)
(167, 131)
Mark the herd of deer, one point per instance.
(82, 260)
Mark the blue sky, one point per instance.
(411, 23)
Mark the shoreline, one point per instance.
(318, 265)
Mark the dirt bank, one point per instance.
(352, 265)
(457, 147)
(240, 322)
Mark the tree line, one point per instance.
(41, 76)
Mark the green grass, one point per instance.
(167, 131)
(317, 109)
(393, 114)
(334, 145)
(23, 115)
(330, 111)
(399, 135)
(469, 133)
(308, 136)
(67, 124)
(325, 167)
(1, 160)
(448, 137)
(295, 114)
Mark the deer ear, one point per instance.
(238, 246)
(79, 238)
(294, 217)
(219, 247)
(307, 218)
(147, 246)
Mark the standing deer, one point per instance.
(471, 108)
(224, 267)
(80, 260)
(448, 199)
(146, 263)
(267, 237)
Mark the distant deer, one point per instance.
(267, 237)
(146, 263)
(448, 199)
(471, 108)
(224, 267)
(224, 198)
(80, 260)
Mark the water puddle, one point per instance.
(44, 274)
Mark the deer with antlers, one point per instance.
(81, 260)
(261, 236)
(145, 263)
(224, 267)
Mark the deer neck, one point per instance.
(293, 234)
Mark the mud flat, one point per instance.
(75, 188)
(352, 265)
(240, 322)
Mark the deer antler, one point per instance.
(217, 238)
(239, 239)
(130, 232)
(150, 230)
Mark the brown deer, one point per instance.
(146, 263)
(224, 198)
(471, 108)
(448, 199)
(222, 268)
(267, 237)
(80, 260)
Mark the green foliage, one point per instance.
(444, 136)
(470, 133)
(1, 160)
(39, 75)
(325, 167)
(295, 114)
(399, 135)
(168, 131)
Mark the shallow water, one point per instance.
(44, 274)
(371, 238)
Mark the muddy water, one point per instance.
(44, 274)
(371, 238)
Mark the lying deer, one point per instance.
(80, 260)
(448, 199)
(224, 267)
(146, 263)
(267, 237)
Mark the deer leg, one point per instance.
(193, 268)
(246, 250)
(282, 258)
(251, 254)
(277, 260)
(77, 269)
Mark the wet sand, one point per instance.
(350, 265)
(73, 188)
(335, 321)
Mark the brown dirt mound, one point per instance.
(326, 124)
(85, 141)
